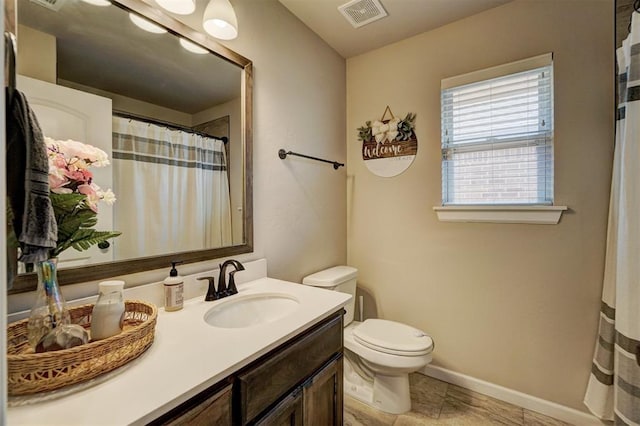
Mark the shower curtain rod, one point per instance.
(283, 154)
(166, 124)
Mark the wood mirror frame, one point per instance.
(28, 282)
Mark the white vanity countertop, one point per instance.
(186, 357)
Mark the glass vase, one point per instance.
(50, 309)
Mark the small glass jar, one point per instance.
(107, 317)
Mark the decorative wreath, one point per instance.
(394, 129)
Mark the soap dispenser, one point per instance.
(173, 290)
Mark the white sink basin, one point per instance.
(242, 311)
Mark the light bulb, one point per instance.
(146, 25)
(180, 7)
(219, 20)
(98, 2)
(192, 47)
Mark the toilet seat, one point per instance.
(392, 338)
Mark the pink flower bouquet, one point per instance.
(74, 195)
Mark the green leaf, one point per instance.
(93, 237)
(83, 239)
(406, 126)
(79, 219)
(75, 223)
(67, 203)
(364, 132)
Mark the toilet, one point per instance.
(379, 354)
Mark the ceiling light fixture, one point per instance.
(179, 7)
(219, 20)
(146, 25)
(98, 2)
(192, 47)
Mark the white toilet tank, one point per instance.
(338, 278)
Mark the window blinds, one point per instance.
(497, 138)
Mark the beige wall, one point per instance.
(36, 54)
(133, 106)
(299, 100)
(515, 305)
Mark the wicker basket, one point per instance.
(30, 372)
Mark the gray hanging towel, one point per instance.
(34, 221)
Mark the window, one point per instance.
(497, 135)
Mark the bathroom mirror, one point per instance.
(175, 81)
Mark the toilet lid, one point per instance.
(393, 338)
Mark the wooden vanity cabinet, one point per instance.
(211, 407)
(289, 367)
(288, 412)
(318, 401)
(322, 395)
(297, 383)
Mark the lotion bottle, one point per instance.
(108, 313)
(173, 290)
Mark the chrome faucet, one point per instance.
(223, 290)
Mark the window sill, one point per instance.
(545, 215)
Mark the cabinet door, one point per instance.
(212, 410)
(286, 413)
(322, 395)
(276, 375)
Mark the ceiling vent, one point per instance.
(54, 5)
(362, 12)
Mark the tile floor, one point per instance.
(440, 403)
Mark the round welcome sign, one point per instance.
(389, 146)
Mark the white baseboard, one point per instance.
(511, 396)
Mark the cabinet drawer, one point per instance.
(279, 372)
(203, 410)
(288, 412)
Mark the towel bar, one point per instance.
(283, 154)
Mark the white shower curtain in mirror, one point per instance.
(172, 190)
(613, 392)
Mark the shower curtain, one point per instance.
(613, 392)
(172, 190)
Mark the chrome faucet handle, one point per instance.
(212, 294)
